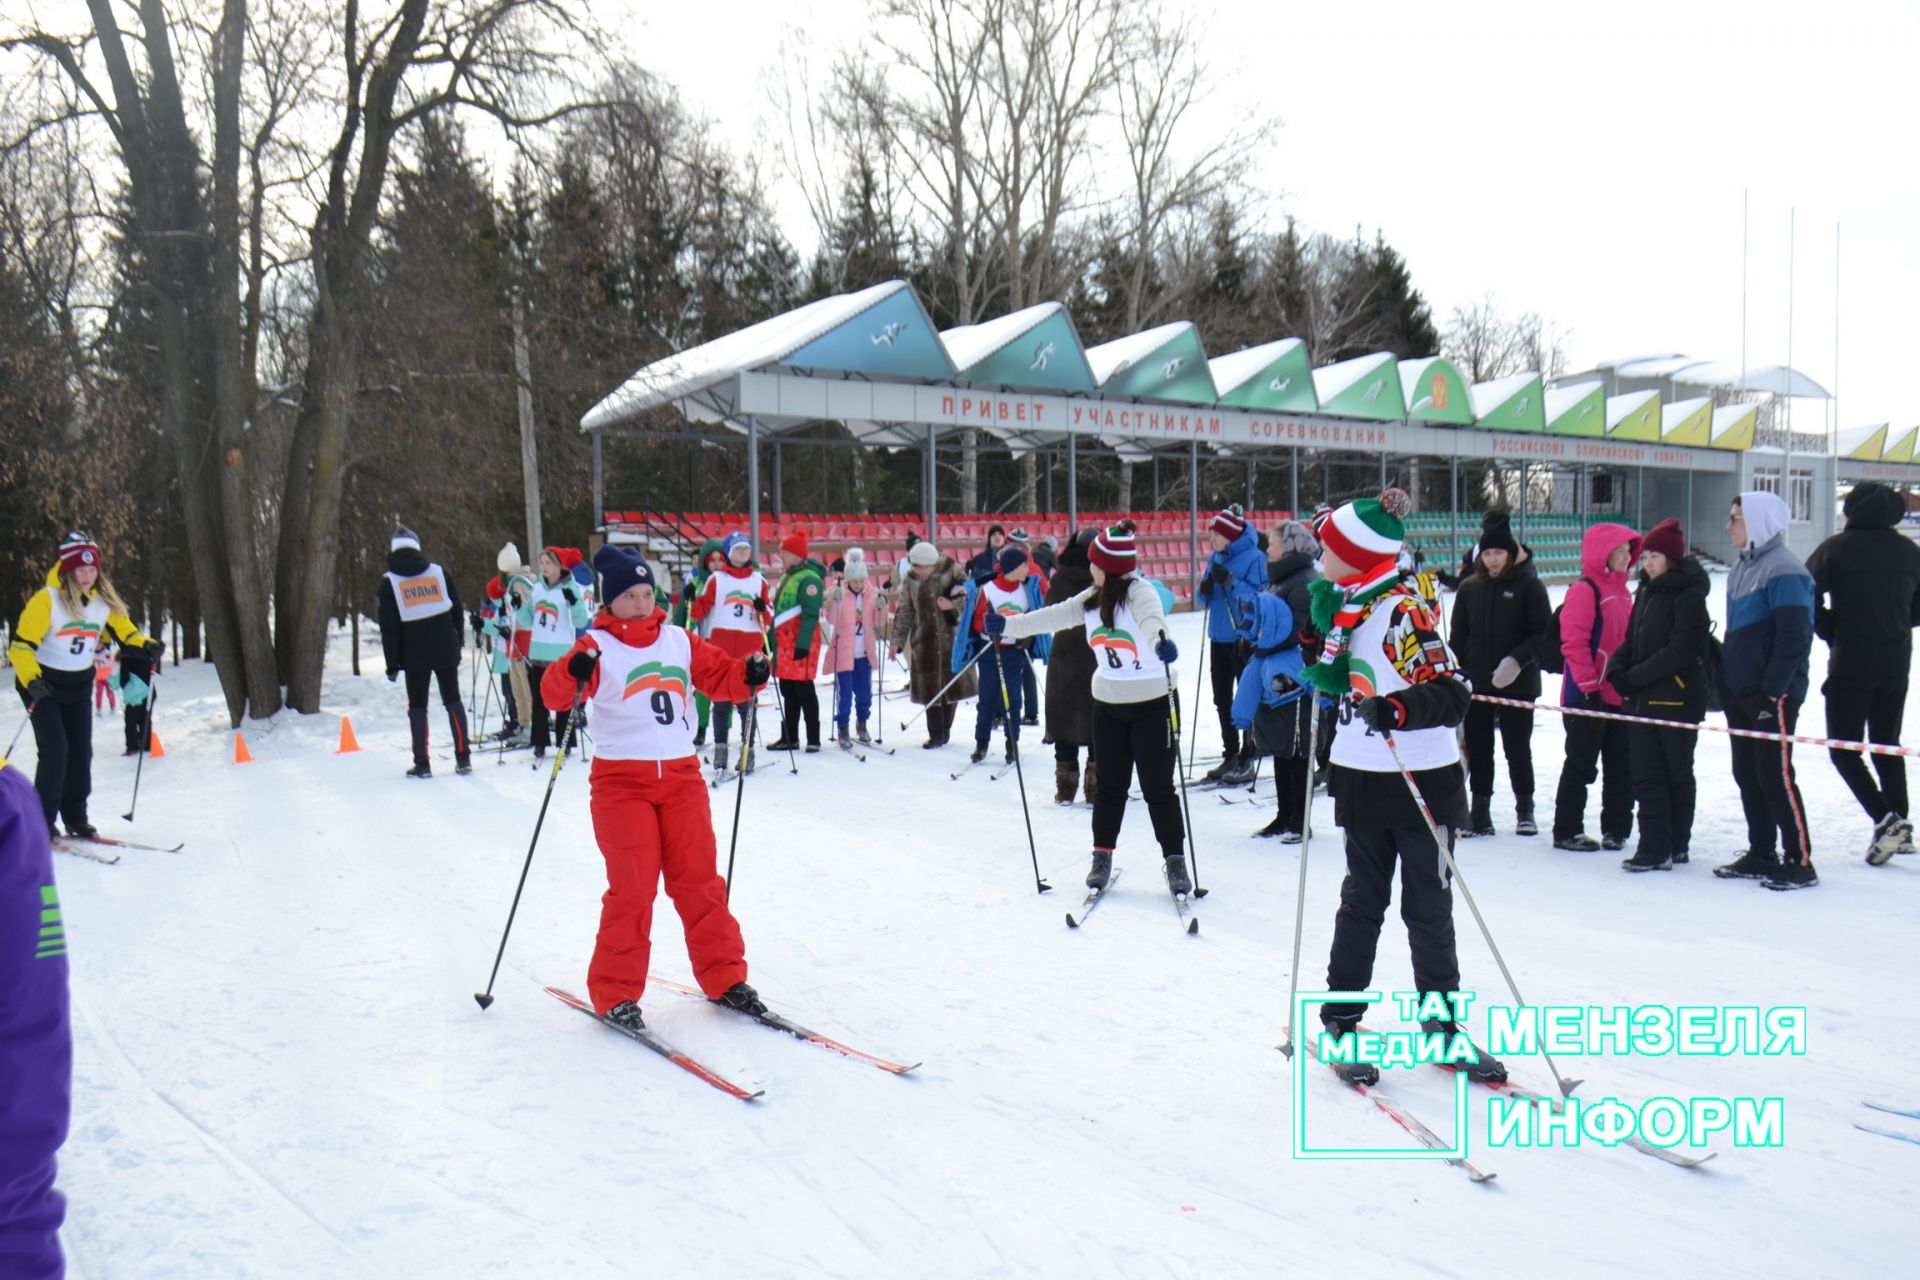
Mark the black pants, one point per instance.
(1225, 669)
(1595, 746)
(544, 721)
(1290, 774)
(1426, 904)
(1516, 739)
(1663, 787)
(1126, 736)
(63, 735)
(1857, 712)
(449, 681)
(940, 722)
(139, 728)
(1030, 689)
(509, 714)
(799, 696)
(1769, 793)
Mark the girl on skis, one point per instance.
(732, 609)
(1126, 628)
(52, 653)
(854, 614)
(650, 805)
(555, 613)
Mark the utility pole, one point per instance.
(529, 459)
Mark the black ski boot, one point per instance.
(1793, 875)
(784, 744)
(1612, 844)
(1228, 763)
(1102, 869)
(1242, 772)
(1013, 752)
(1523, 823)
(1579, 842)
(1178, 881)
(81, 830)
(744, 998)
(1749, 866)
(1646, 862)
(626, 1014)
(463, 764)
(979, 753)
(1277, 827)
(1361, 1073)
(1483, 1067)
(1481, 822)
(421, 770)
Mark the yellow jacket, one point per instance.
(31, 630)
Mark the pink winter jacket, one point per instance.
(1586, 671)
(848, 611)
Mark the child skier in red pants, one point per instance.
(649, 800)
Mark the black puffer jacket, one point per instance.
(1287, 578)
(1070, 665)
(1871, 571)
(1504, 617)
(427, 645)
(1660, 665)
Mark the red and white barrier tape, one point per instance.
(1832, 744)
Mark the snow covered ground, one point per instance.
(280, 1070)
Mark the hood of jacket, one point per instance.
(638, 632)
(1273, 622)
(711, 547)
(1598, 542)
(1873, 506)
(1766, 515)
(1688, 573)
(1521, 566)
(1289, 564)
(407, 562)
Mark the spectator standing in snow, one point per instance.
(1502, 622)
(1871, 573)
(987, 563)
(1234, 577)
(36, 1042)
(924, 620)
(1593, 621)
(423, 632)
(1284, 724)
(853, 615)
(1659, 671)
(1070, 671)
(1764, 669)
(731, 612)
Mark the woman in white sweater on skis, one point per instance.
(1126, 629)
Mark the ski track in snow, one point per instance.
(280, 1071)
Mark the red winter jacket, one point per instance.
(1586, 671)
(720, 677)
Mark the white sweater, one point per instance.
(1142, 599)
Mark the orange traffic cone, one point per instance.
(347, 741)
(240, 753)
(153, 745)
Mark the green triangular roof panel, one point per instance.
(1733, 426)
(1363, 387)
(1863, 444)
(892, 337)
(1276, 377)
(1434, 391)
(1578, 410)
(1518, 403)
(1034, 349)
(1688, 422)
(1634, 416)
(1900, 448)
(1166, 363)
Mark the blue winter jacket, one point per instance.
(1276, 652)
(1769, 609)
(1229, 606)
(964, 637)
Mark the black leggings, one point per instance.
(1127, 735)
(63, 734)
(800, 696)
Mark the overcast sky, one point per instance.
(1585, 162)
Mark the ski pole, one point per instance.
(1300, 892)
(1199, 683)
(880, 691)
(740, 785)
(1186, 811)
(1013, 747)
(934, 701)
(153, 693)
(486, 705)
(485, 998)
(1433, 829)
(780, 700)
(23, 728)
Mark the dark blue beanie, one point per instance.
(620, 570)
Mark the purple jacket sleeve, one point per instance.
(36, 1047)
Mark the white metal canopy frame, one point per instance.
(874, 361)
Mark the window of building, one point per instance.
(1800, 495)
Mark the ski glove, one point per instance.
(1166, 651)
(566, 593)
(1382, 715)
(1506, 673)
(758, 669)
(154, 648)
(38, 690)
(1220, 574)
(580, 666)
(996, 624)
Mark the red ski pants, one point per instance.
(652, 819)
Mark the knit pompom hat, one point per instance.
(1231, 522)
(924, 554)
(737, 541)
(403, 537)
(1114, 551)
(508, 561)
(1296, 536)
(1367, 533)
(77, 549)
(1011, 558)
(1668, 538)
(795, 544)
(856, 563)
(620, 570)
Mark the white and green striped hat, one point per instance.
(1367, 533)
